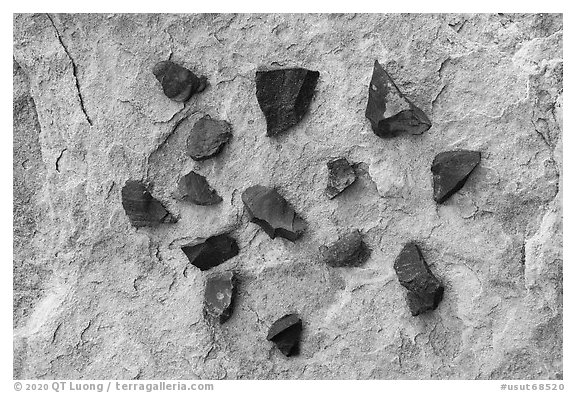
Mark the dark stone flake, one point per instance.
(389, 111)
(178, 83)
(271, 211)
(450, 170)
(207, 138)
(340, 175)
(194, 188)
(213, 252)
(141, 207)
(285, 334)
(219, 296)
(284, 96)
(349, 250)
(424, 290)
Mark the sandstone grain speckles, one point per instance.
(285, 334)
(219, 296)
(424, 290)
(450, 170)
(389, 111)
(284, 96)
(348, 250)
(194, 188)
(212, 252)
(178, 83)
(340, 175)
(207, 138)
(267, 208)
(141, 207)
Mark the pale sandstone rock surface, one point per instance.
(96, 298)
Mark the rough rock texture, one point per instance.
(96, 298)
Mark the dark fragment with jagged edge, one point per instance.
(349, 250)
(194, 188)
(178, 83)
(285, 334)
(267, 208)
(284, 96)
(340, 175)
(450, 170)
(389, 111)
(142, 209)
(219, 296)
(207, 138)
(424, 290)
(212, 252)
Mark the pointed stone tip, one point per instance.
(451, 170)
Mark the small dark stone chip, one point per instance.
(349, 250)
(424, 290)
(340, 175)
(194, 188)
(207, 138)
(141, 207)
(213, 252)
(284, 96)
(450, 170)
(285, 334)
(268, 209)
(219, 296)
(178, 83)
(389, 111)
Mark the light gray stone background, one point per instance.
(96, 298)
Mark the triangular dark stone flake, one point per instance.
(178, 83)
(285, 333)
(284, 96)
(213, 252)
(141, 207)
(389, 111)
(450, 170)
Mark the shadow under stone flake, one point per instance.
(213, 252)
(340, 175)
(194, 188)
(141, 207)
(285, 334)
(349, 250)
(284, 96)
(268, 209)
(424, 290)
(207, 138)
(389, 111)
(178, 83)
(219, 296)
(450, 170)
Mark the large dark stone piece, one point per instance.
(213, 252)
(349, 250)
(284, 96)
(141, 207)
(389, 111)
(450, 171)
(340, 175)
(219, 296)
(424, 290)
(272, 212)
(207, 138)
(178, 82)
(194, 188)
(285, 333)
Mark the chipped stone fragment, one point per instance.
(219, 296)
(213, 252)
(207, 138)
(284, 96)
(285, 334)
(424, 290)
(340, 175)
(141, 207)
(389, 111)
(194, 188)
(450, 170)
(178, 83)
(267, 208)
(349, 250)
